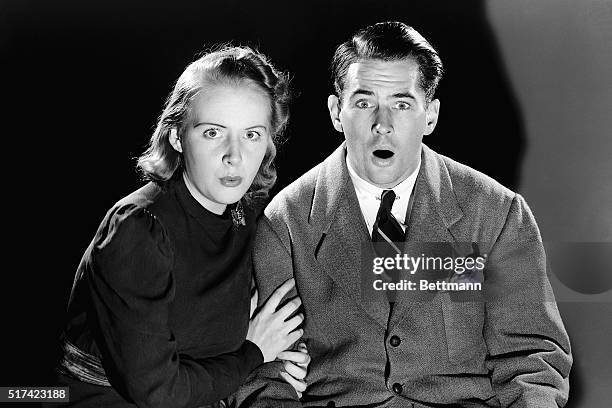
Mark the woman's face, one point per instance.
(224, 143)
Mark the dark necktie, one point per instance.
(387, 235)
(387, 232)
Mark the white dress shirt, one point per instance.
(369, 196)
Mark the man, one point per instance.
(384, 186)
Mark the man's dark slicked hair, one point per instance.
(389, 41)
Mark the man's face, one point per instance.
(383, 115)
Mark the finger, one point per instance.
(306, 363)
(299, 386)
(289, 308)
(294, 336)
(294, 370)
(295, 356)
(254, 299)
(304, 350)
(278, 295)
(294, 322)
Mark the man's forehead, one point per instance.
(378, 73)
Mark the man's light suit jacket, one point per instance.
(510, 350)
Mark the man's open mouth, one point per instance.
(383, 153)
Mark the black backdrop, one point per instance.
(82, 85)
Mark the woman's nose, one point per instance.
(233, 154)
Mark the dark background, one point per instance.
(526, 99)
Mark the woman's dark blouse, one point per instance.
(162, 296)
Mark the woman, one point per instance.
(159, 310)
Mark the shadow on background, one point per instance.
(557, 54)
(86, 81)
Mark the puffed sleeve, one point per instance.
(132, 285)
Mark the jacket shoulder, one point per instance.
(295, 199)
(486, 204)
(474, 189)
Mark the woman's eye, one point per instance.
(253, 135)
(212, 133)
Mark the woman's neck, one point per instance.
(213, 207)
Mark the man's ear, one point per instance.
(432, 112)
(333, 105)
(175, 140)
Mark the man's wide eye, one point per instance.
(362, 104)
(402, 105)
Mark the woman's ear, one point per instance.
(333, 105)
(175, 140)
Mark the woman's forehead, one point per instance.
(232, 105)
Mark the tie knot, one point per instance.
(386, 199)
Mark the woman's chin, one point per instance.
(230, 197)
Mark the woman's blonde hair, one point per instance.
(228, 65)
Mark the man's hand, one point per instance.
(296, 367)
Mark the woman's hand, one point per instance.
(296, 367)
(268, 328)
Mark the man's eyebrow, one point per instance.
(208, 123)
(360, 91)
(398, 95)
(401, 95)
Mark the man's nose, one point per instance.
(383, 124)
(233, 152)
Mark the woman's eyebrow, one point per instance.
(256, 126)
(208, 123)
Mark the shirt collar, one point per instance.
(364, 188)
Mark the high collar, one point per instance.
(195, 209)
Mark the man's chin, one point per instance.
(379, 179)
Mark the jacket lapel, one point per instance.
(344, 244)
(435, 208)
(434, 212)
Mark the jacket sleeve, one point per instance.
(272, 266)
(131, 285)
(529, 350)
